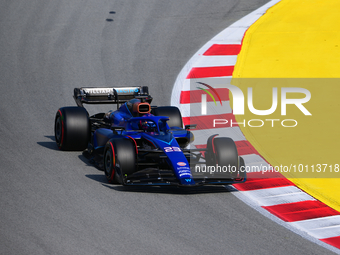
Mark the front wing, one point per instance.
(152, 175)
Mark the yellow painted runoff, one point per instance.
(296, 44)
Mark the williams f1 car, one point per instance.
(142, 145)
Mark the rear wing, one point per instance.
(118, 95)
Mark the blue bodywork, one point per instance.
(155, 131)
(161, 137)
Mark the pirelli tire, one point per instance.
(120, 159)
(222, 152)
(242, 169)
(174, 114)
(72, 129)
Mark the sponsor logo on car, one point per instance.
(98, 90)
(185, 174)
(183, 169)
(128, 90)
(181, 164)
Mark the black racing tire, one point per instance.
(72, 128)
(120, 158)
(242, 173)
(174, 114)
(222, 151)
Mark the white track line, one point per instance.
(276, 196)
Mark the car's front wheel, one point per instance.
(222, 154)
(120, 159)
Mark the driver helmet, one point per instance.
(148, 126)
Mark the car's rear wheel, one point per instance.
(174, 114)
(222, 154)
(72, 128)
(120, 159)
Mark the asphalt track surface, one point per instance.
(54, 202)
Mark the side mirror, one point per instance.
(117, 128)
(191, 126)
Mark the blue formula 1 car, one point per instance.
(142, 145)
